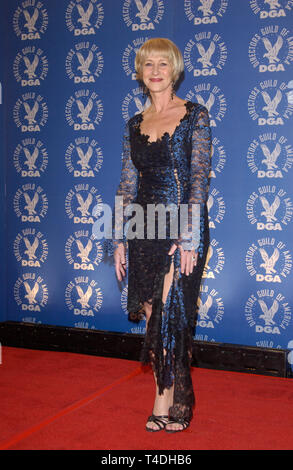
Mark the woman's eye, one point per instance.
(148, 64)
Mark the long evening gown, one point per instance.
(173, 169)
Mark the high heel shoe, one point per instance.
(159, 421)
(182, 421)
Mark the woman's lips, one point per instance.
(155, 79)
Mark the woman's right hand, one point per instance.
(120, 261)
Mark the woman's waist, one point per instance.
(161, 192)
(156, 172)
(150, 195)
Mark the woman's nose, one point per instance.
(155, 69)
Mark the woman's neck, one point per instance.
(160, 102)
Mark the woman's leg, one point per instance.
(169, 279)
(162, 402)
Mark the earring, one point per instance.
(145, 92)
(172, 90)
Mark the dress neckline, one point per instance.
(165, 134)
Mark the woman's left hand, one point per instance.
(188, 258)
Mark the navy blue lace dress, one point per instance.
(171, 170)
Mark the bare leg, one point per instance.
(164, 401)
(167, 285)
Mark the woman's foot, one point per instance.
(156, 423)
(161, 410)
(176, 425)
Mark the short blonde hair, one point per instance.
(167, 49)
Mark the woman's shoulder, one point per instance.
(199, 114)
(135, 119)
(193, 109)
(131, 124)
(196, 107)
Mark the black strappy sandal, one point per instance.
(182, 421)
(160, 421)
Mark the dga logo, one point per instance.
(129, 54)
(212, 98)
(30, 158)
(80, 202)
(269, 208)
(84, 157)
(134, 103)
(218, 158)
(30, 248)
(215, 260)
(84, 63)
(142, 14)
(30, 112)
(268, 260)
(30, 20)
(216, 207)
(210, 308)
(271, 50)
(30, 66)
(84, 110)
(270, 156)
(271, 8)
(205, 11)
(82, 251)
(30, 203)
(268, 103)
(83, 296)
(30, 292)
(84, 17)
(205, 55)
(268, 312)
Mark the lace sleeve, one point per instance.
(199, 179)
(126, 191)
(110, 224)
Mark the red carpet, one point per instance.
(54, 400)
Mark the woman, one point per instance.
(166, 160)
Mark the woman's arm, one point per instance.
(126, 191)
(125, 195)
(200, 167)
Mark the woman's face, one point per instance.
(157, 73)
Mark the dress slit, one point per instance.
(168, 280)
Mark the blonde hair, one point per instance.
(167, 49)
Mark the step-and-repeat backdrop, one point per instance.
(69, 89)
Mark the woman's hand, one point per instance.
(188, 259)
(120, 261)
